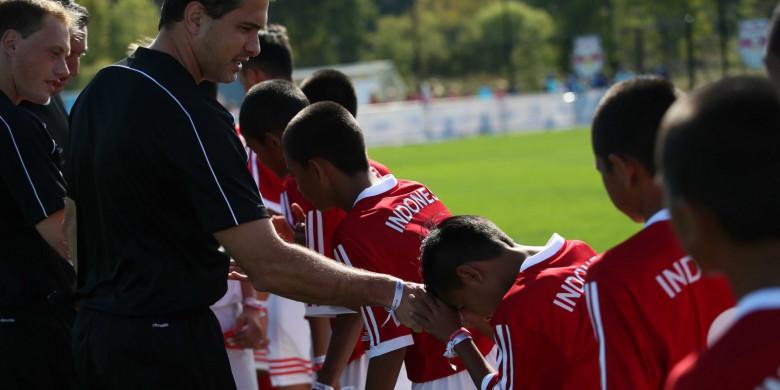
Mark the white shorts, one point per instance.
(242, 363)
(289, 348)
(461, 380)
(354, 375)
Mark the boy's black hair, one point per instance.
(172, 11)
(454, 242)
(720, 149)
(275, 58)
(268, 107)
(627, 119)
(331, 85)
(326, 130)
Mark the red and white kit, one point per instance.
(541, 326)
(651, 306)
(746, 357)
(382, 233)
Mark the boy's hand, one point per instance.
(299, 229)
(438, 319)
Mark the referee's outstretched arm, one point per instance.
(297, 273)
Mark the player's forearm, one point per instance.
(383, 370)
(320, 335)
(346, 331)
(475, 363)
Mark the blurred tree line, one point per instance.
(515, 41)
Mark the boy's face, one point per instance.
(311, 183)
(616, 179)
(270, 153)
(469, 302)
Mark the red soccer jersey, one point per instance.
(650, 306)
(382, 233)
(270, 185)
(541, 326)
(746, 357)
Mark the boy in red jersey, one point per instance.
(719, 156)
(385, 223)
(532, 295)
(648, 301)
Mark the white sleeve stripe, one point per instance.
(371, 324)
(363, 315)
(594, 293)
(320, 239)
(486, 380)
(24, 166)
(589, 305)
(310, 221)
(511, 376)
(504, 356)
(197, 136)
(253, 168)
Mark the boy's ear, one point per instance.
(469, 274)
(624, 169)
(272, 140)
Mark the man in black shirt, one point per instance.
(54, 114)
(159, 182)
(36, 281)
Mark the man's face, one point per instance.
(38, 61)
(78, 49)
(223, 44)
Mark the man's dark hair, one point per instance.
(331, 85)
(275, 58)
(80, 13)
(454, 242)
(268, 107)
(172, 11)
(627, 119)
(720, 149)
(26, 16)
(326, 130)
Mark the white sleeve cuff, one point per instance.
(486, 381)
(390, 346)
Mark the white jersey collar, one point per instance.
(386, 183)
(554, 244)
(764, 299)
(661, 215)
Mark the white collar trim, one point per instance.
(764, 299)
(386, 183)
(661, 215)
(554, 244)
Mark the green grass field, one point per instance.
(531, 185)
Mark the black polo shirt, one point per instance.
(155, 169)
(55, 117)
(31, 189)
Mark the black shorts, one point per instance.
(178, 352)
(35, 348)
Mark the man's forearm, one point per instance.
(300, 274)
(309, 277)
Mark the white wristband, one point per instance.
(397, 297)
(321, 386)
(456, 339)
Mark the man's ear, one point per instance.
(624, 169)
(194, 14)
(9, 41)
(469, 274)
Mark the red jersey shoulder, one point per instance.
(405, 207)
(649, 250)
(378, 169)
(556, 284)
(744, 358)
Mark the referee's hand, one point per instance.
(414, 300)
